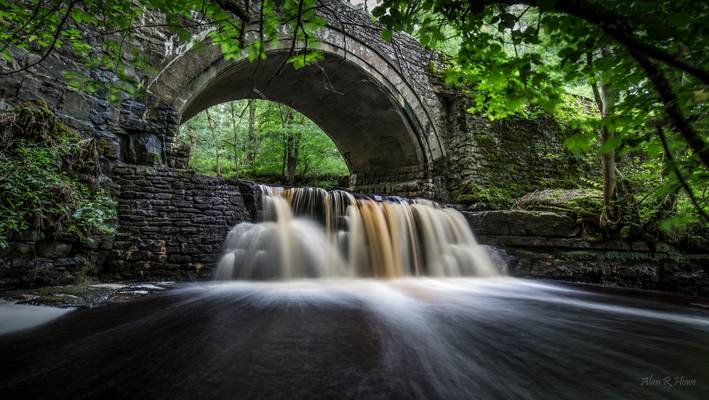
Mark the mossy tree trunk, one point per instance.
(604, 97)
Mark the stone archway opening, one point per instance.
(373, 131)
(263, 141)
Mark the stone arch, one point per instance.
(357, 94)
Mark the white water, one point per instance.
(312, 233)
(16, 317)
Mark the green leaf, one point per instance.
(546, 5)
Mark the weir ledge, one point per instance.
(172, 224)
(550, 245)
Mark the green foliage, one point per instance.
(652, 202)
(274, 124)
(582, 202)
(511, 59)
(484, 197)
(515, 59)
(103, 34)
(37, 192)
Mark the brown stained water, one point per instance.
(301, 312)
(312, 233)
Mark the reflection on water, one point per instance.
(410, 338)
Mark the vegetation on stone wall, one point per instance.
(101, 33)
(47, 174)
(264, 141)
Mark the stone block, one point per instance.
(67, 263)
(143, 148)
(53, 249)
(109, 146)
(523, 223)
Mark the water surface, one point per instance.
(411, 338)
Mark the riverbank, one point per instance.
(84, 295)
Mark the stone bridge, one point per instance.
(399, 128)
(376, 99)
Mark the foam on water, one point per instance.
(312, 233)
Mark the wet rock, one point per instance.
(523, 223)
(101, 112)
(31, 236)
(53, 249)
(67, 263)
(76, 104)
(23, 249)
(132, 114)
(85, 295)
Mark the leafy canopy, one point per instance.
(103, 34)
(651, 55)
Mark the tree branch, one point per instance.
(680, 177)
(14, 34)
(235, 8)
(617, 27)
(57, 33)
(672, 109)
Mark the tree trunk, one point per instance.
(306, 166)
(251, 151)
(215, 142)
(286, 120)
(605, 101)
(284, 160)
(680, 177)
(235, 143)
(293, 151)
(192, 135)
(668, 205)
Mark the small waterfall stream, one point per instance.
(314, 233)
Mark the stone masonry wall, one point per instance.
(541, 244)
(514, 154)
(126, 128)
(172, 222)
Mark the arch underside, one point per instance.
(370, 128)
(364, 96)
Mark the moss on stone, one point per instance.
(491, 198)
(48, 176)
(582, 202)
(34, 120)
(485, 140)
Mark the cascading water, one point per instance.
(313, 233)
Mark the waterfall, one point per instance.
(314, 233)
